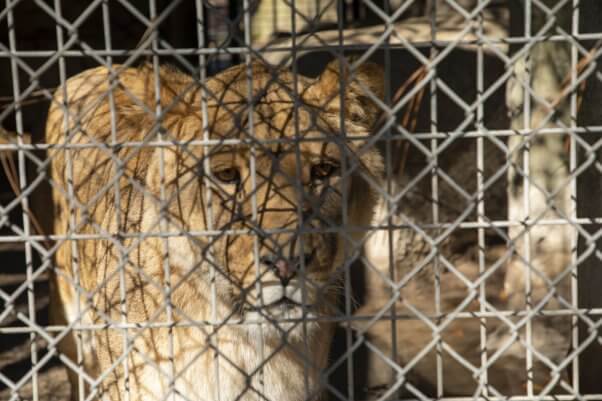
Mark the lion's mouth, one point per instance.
(283, 303)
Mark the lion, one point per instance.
(204, 226)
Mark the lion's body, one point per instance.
(140, 267)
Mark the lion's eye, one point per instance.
(228, 175)
(323, 170)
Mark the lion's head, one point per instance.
(262, 190)
(276, 194)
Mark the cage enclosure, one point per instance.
(300, 200)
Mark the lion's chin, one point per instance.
(284, 322)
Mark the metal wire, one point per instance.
(456, 278)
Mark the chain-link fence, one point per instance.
(300, 200)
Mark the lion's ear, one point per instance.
(360, 86)
(138, 86)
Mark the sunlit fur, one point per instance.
(212, 330)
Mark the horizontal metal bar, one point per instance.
(241, 50)
(349, 229)
(331, 319)
(559, 397)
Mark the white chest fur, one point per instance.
(234, 366)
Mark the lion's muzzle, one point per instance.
(286, 268)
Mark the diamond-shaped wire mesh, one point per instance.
(300, 200)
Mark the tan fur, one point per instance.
(112, 198)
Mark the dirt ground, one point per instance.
(52, 386)
(15, 349)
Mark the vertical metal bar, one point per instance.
(31, 300)
(70, 197)
(573, 198)
(163, 199)
(344, 201)
(483, 380)
(527, 200)
(106, 20)
(297, 137)
(253, 168)
(214, 336)
(433, 53)
(390, 187)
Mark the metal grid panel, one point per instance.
(424, 231)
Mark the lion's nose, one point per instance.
(284, 269)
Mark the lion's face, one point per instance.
(279, 190)
(289, 198)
